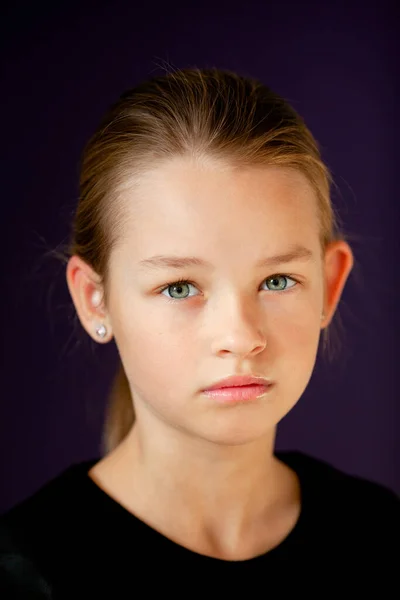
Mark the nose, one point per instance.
(238, 331)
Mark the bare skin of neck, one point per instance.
(231, 503)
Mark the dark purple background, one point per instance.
(60, 70)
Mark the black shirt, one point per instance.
(72, 540)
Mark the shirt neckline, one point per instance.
(293, 459)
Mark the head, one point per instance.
(211, 165)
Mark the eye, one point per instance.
(179, 286)
(278, 283)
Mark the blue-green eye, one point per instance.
(179, 286)
(278, 283)
(276, 280)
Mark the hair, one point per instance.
(207, 114)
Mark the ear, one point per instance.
(338, 263)
(87, 295)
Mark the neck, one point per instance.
(222, 495)
(198, 469)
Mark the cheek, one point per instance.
(157, 358)
(298, 333)
(296, 349)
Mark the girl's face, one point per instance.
(229, 317)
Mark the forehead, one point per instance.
(190, 206)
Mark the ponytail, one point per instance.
(120, 415)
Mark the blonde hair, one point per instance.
(206, 113)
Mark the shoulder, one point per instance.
(345, 497)
(30, 533)
(327, 476)
(58, 497)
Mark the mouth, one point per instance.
(238, 381)
(241, 393)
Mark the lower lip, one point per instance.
(243, 393)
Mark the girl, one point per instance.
(205, 244)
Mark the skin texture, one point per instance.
(211, 466)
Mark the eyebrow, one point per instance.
(161, 261)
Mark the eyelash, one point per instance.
(181, 281)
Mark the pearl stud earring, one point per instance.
(101, 331)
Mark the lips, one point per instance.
(239, 381)
(239, 395)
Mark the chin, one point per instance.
(239, 434)
(237, 439)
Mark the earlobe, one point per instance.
(87, 296)
(338, 264)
